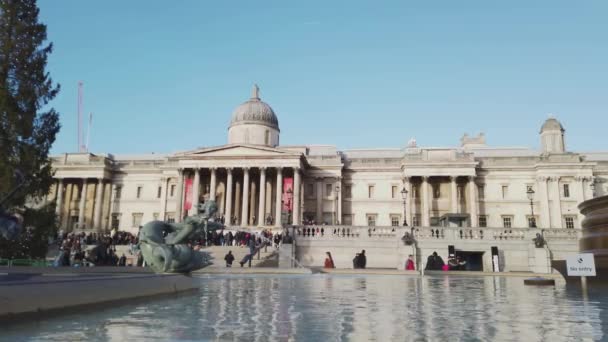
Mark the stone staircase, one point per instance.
(268, 258)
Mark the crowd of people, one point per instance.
(93, 249)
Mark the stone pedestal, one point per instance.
(539, 259)
(286, 255)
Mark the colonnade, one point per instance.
(425, 198)
(246, 196)
(66, 193)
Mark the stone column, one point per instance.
(278, 203)
(228, 213)
(262, 206)
(545, 218)
(212, 185)
(454, 195)
(556, 205)
(98, 205)
(245, 207)
(581, 188)
(238, 201)
(252, 197)
(180, 195)
(587, 189)
(164, 185)
(196, 191)
(296, 196)
(59, 202)
(319, 200)
(81, 207)
(424, 202)
(473, 212)
(408, 201)
(339, 194)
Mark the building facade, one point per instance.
(259, 183)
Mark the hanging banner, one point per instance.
(287, 194)
(188, 194)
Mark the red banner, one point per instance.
(287, 194)
(188, 194)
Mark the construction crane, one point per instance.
(83, 145)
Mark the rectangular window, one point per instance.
(435, 221)
(566, 190)
(158, 193)
(415, 192)
(118, 191)
(394, 191)
(348, 191)
(483, 221)
(370, 191)
(506, 221)
(172, 190)
(310, 190)
(505, 191)
(460, 192)
(115, 221)
(395, 220)
(170, 217)
(481, 191)
(531, 221)
(436, 191)
(569, 220)
(371, 220)
(328, 190)
(139, 188)
(416, 220)
(137, 219)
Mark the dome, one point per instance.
(254, 111)
(552, 125)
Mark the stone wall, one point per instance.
(384, 248)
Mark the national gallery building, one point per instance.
(257, 182)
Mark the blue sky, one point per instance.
(163, 76)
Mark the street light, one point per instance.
(404, 196)
(530, 194)
(337, 204)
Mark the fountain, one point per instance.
(595, 235)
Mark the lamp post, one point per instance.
(404, 196)
(337, 220)
(530, 194)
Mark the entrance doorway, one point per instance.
(474, 260)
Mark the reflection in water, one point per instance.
(339, 308)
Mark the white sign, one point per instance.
(581, 265)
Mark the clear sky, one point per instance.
(163, 76)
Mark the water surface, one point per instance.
(339, 308)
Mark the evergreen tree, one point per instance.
(27, 127)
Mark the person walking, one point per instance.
(229, 259)
(362, 259)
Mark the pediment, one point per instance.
(238, 151)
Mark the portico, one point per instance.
(248, 183)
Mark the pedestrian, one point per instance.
(409, 265)
(329, 261)
(362, 259)
(229, 259)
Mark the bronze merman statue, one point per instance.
(164, 246)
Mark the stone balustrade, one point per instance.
(434, 233)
